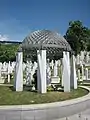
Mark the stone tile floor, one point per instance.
(85, 115)
(19, 115)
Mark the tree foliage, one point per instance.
(7, 52)
(78, 36)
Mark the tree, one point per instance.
(7, 52)
(78, 36)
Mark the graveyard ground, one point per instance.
(10, 97)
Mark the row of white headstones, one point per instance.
(83, 58)
(5, 70)
(85, 73)
(29, 68)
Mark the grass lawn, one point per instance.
(9, 97)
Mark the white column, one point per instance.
(68, 58)
(41, 78)
(82, 69)
(39, 71)
(43, 81)
(62, 73)
(73, 81)
(38, 79)
(19, 72)
(52, 64)
(66, 72)
(0, 72)
(86, 73)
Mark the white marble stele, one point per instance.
(19, 72)
(41, 71)
(86, 73)
(66, 72)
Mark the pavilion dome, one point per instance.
(51, 41)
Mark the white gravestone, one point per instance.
(55, 78)
(82, 56)
(82, 70)
(48, 72)
(9, 71)
(86, 73)
(19, 72)
(66, 72)
(55, 69)
(78, 74)
(78, 59)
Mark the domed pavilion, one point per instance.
(45, 44)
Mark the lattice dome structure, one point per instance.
(50, 41)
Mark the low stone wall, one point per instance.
(50, 111)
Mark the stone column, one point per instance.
(82, 69)
(62, 72)
(38, 79)
(39, 71)
(41, 78)
(73, 80)
(19, 72)
(52, 64)
(86, 73)
(0, 71)
(66, 72)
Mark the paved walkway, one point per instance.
(18, 115)
(85, 115)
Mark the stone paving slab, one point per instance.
(26, 115)
(85, 115)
